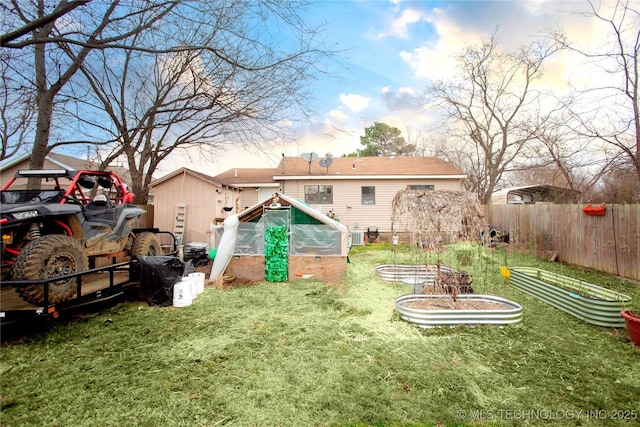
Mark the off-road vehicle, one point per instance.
(58, 222)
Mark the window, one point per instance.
(368, 195)
(318, 194)
(421, 187)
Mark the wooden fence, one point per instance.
(146, 220)
(610, 243)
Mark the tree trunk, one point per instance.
(43, 127)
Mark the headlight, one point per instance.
(25, 214)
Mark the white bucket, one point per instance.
(199, 279)
(182, 294)
(192, 285)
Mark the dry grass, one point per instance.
(305, 353)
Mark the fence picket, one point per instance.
(610, 243)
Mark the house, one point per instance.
(55, 161)
(187, 203)
(258, 184)
(359, 191)
(530, 194)
(314, 245)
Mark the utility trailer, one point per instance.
(58, 228)
(92, 287)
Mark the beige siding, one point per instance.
(347, 198)
(204, 205)
(251, 196)
(8, 173)
(248, 198)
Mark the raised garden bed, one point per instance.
(588, 302)
(401, 272)
(427, 279)
(429, 311)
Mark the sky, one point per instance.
(391, 51)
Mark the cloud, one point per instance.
(401, 100)
(435, 59)
(338, 115)
(399, 27)
(355, 103)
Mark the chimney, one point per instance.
(235, 174)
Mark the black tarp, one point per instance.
(197, 253)
(158, 274)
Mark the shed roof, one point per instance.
(246, 176)
(199, 175)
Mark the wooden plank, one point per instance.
(93, 283)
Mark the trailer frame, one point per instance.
(111, 291)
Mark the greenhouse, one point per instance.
(283, 239)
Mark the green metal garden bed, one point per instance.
(588, 302)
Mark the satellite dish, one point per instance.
(309, 157)
(326, 162)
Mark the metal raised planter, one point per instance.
(512, 312)
(588, 302)
(400, 272)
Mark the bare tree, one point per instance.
(454, 151)
(617, 186)
(60, 46)
(62, 9)
(572, 158)
(160, 76)
(611, 111)
(17, 106)
(490, 106)
(230, 88)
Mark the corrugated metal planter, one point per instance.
(400, 272)
(588, 302)
(426, 318)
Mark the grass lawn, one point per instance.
(307, 353)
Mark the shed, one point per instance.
(315, 245)
(188, 202)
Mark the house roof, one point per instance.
(199, 175)
(244, 177)
(69, 163)
(257, 209)
(382, 167)
(343, 168)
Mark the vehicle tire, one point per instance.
(146, 244)
(46, 257)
